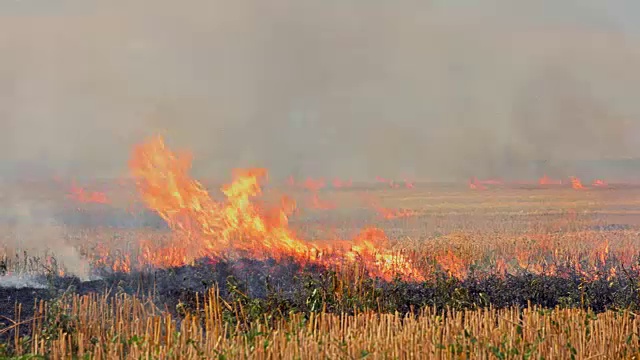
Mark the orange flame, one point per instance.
(576, 183)
(392, 184)
(545, 180)
(339, 184)
(206, 228)
(366, 247)
(454, 265)
(313, 184)
(599, 183)
(474, 184)
(240, 226)
(79, 194)
(408, 184)
(319, 204)
(387, 213)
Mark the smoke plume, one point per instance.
(348, 88)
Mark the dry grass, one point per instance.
(521, 229)
(502, 231)
(128, 328)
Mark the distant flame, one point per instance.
(392, 184)
(599, 183)
(576, 183)
(340, 184)
(319, 204)
(474, 184)
(314, 184)
(81, 195)
(388, 213)
(408, 184)
(545, 180)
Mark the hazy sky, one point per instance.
(349, 88)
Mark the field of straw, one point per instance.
(508, 272)
(126, 327)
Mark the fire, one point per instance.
(576, 183)
(204, 227)
(599, 183)
(392, 184)
(319, 204)
(474, 184)
(545, 180)
(394, 213)
(240, 226)
(387, 213)
(314, 184)
(501, 267)
(454, 265)
(366, 246)
(408, 184)
(79, 194)
(340, 184)
(600, 253)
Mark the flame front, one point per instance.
(204, 227)
(545, 180)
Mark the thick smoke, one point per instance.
(348, 88)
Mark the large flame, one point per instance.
(207, 228)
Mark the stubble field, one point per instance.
(439, 271)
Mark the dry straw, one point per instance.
(125, 327)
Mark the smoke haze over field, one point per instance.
(349, 88)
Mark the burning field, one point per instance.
(163, 265)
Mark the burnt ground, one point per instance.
(288, 286)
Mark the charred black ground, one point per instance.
(276, 289)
